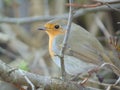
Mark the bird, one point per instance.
(83, 51)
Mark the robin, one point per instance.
(83, 51)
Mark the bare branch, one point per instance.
(97, 4)
(27, 79)
(13, 75)
(64, 44)
(102, 27)
(46, 18)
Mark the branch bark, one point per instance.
(12, 75)
(46, 18)
(96, 4)
(64, 44)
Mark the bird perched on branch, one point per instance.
(83, 51)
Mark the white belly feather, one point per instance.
(73, 65)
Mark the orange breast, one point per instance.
(50, 45)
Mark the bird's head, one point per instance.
(54, 27)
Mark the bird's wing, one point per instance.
(82, 45)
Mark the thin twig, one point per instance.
(110, 86)
(118, 22)
(32, 19)
(7, 53)
(112, 65)
(107, 4)
(111, 39)
(27, 79)
(97, 4)
(84, 5)
(105, 64)
(102, 27)
(46, 7)
(65, 41)
(118, 81)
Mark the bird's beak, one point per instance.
(41, 28)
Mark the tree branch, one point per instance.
(97, 4)
(46, 18)
(64, 44)
(13, 75)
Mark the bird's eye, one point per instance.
(57, 26)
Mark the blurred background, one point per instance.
(23, 46)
